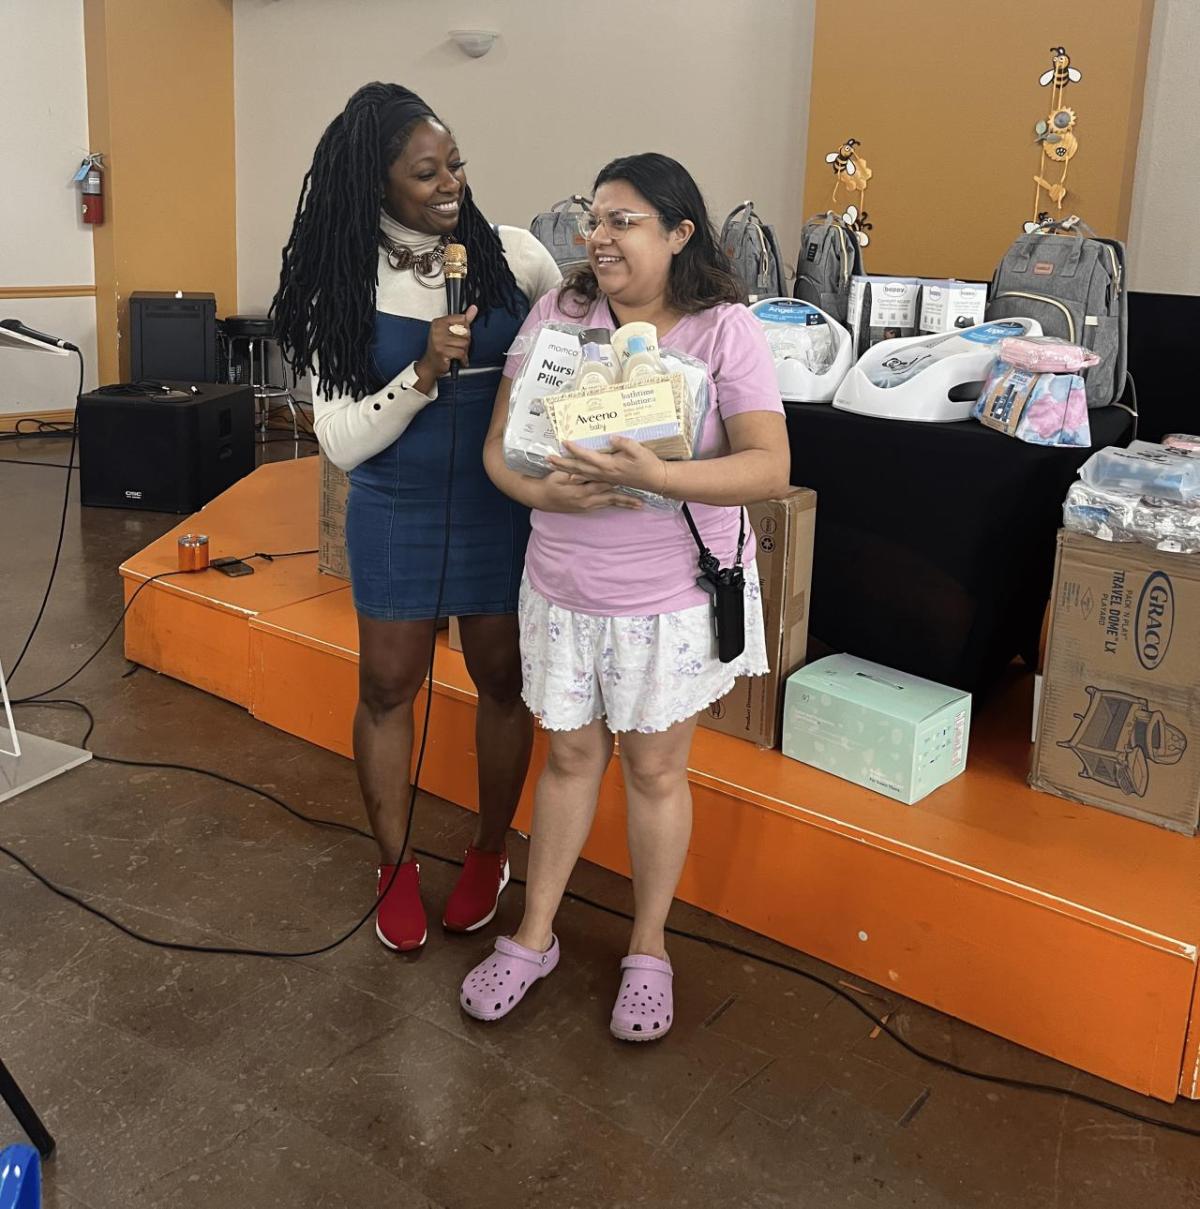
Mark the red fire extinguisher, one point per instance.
(90, 178)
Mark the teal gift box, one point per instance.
(894, 733)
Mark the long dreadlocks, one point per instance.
(325, 305)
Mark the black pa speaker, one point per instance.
(173, 337)
(171, 447)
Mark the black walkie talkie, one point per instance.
(727, 588)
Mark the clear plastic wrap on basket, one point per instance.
(551, 357)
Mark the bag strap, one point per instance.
(709, 563)
(575, 199)
(746, 205)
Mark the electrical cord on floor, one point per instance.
(43, 699)
(58, 434)
(62, 528)
(31, 697)
(880, 1023)
(43, 465)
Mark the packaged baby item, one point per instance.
(1041, 408)
(947, 306)
(1182, 442)
(1046, 354)
(569, 387)
(599, 366)
(1146, 469)
(552, 358)
(1108, 515)
(882, 308)
(811, 350)
(1148, 493)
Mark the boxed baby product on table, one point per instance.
(1120, 711)
(947, 306)
(882, 308)
(331, 520)
(885, 730)
(784, 530)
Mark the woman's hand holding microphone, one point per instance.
(449, 340)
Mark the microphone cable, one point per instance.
(62, 528)
(878, 1022)
(882, 1023)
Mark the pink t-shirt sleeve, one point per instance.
(742, 366)
(543, 310)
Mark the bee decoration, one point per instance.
(849, 168)
(1061, 72)
(857, 222)
(1055, 134)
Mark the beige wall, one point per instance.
(1164, 237)
(44, 244)
(571, 83)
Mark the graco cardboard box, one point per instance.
(1119, 725)
(885, 730)
(331, 520)
(784, 530)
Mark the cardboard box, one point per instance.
(888, 731)
(949, 305)
(784, 529)
(331, 520)
(882, 308)
(455, 636)
(1120, 712)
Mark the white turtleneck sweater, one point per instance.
(352, 430)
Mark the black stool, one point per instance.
(256, 333)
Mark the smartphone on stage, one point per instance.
(231, 566)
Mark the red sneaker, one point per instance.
(400, 920)
(474, 900)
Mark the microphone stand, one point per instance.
(20, 1108)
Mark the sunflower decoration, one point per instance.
(1055, 134)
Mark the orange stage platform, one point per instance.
(1061, 927)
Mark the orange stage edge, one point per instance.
(1059, 926)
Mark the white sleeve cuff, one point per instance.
(406, 380)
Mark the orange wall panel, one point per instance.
(160, 109)
(943, 97)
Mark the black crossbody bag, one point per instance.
(726, 587)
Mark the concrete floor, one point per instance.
(352, 1079)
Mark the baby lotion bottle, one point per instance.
(641, 361)
(599, 365)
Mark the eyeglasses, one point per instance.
(617, 222)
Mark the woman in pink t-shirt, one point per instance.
(616, 636)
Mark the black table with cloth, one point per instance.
(935, 542)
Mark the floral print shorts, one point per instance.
(639, 673)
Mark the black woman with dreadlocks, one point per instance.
(362, 307)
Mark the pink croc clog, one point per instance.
(498, 983)
(645, 1004)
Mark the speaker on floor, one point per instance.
(172, 337)
(167, 447)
